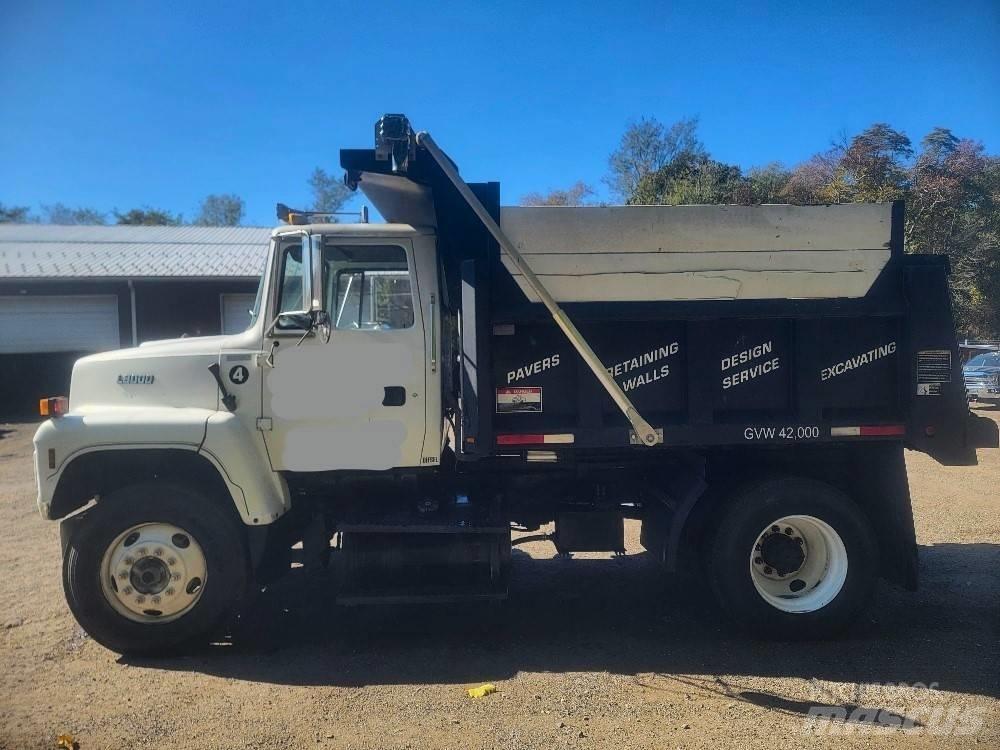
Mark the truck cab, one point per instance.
(347, 331)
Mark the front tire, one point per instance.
(793, 558)
(154, 568)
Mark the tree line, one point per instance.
(951, 187)
(216, 210)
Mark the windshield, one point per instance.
(985, 360)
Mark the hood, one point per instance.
(173, 372)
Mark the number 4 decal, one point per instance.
(239, 374)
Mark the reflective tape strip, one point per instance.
(557, 438)
(874, 430)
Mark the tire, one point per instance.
(753, 557)
(171, 525)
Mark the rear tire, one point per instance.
(154, 568)
(793, 558)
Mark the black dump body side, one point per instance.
(884, 367)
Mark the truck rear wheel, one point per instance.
(153, 568)
(793, 558)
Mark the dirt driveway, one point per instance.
(591, 652)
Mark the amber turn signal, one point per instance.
(55, 406)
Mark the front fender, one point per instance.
(259, 495)
(60, 441)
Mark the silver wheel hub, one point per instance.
(153, 572)
(798, 564)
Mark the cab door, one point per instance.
(357, 399)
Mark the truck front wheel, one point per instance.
(793, 558)
(153, 568)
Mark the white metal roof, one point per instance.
(44, 251)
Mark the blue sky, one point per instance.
(125, 104)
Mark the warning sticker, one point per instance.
(524, 399)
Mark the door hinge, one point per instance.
(264, 424)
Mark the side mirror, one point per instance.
(300, 320)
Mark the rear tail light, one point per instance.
(55, 406)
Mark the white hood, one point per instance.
(173, 373)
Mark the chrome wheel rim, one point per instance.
(153, 572)
(798, 564)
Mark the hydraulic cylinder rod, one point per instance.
(643, 430)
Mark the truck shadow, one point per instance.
(617, 616)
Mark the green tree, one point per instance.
(576, 194)
(147, 217)
(14, 214)
(329, 193)
(689, 180)
(221, 210)
(60, 213)
(648, 146)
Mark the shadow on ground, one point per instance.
(615, 616)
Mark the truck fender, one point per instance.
(260, 494)
(60, 443)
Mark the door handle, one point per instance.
(395, 395)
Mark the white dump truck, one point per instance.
(741, 379)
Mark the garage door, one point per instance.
(85, 323)
(236, 312)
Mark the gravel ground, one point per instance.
(590, 652)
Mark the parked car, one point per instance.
(982, 377)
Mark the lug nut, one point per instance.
(142, 551)
(123, 575)
(156, 600)
(129, 561)
(775, 529)
(169, 592)
(767, 570)
(788, 530)
(159, 550)
(758, 560)
(127, 590)
(171, 561)
(140, 600)
(176, 576)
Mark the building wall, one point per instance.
(170, 309)
(167, 309)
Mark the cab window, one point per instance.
(291, 272)
(367, 287)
